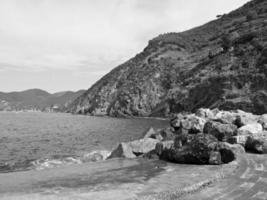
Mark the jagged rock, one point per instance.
(221, 131)
(191, 124)
(123, 150)
(134, 148)
(150, 132)
(143, 146)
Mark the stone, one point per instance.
(196, 151)
(163, 145)
(225, 117)
(123, 150)
(205, 113)
(215, 158)
(167, 134)
(253, 128)
(263, 121)
(150, 132)
(162, 134)
(151, 155)
(256, 145)
(229, 151)
(221, 131)
(182, 139)
(239, 139)
(142, 146)
(190, 123)
(244, 118)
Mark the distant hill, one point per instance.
(36, 99)
(222, 64)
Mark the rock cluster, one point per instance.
(205, 137)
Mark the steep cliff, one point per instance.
(220, 64)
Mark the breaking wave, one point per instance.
(54, 162)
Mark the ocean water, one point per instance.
(33, 140)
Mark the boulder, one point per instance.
(244, 118)
(151, 155)
(221, 131)
(225, 117)
(238, 139)
(205, 113)
(229, 152)
(263, 121)
(123, 150)
(142, 146)
(163, 145)
(167, 134)
(150, 132)
(190, 123)
(162, 134)
(256, 145)
(182, 139)
(253, 128)
(196, 151)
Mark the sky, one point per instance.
(60, 45)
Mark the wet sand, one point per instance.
(112, 179)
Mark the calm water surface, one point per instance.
(29, 137)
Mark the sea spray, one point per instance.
(94, 156)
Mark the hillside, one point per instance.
(222, 64)
(36, 99)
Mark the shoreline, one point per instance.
(121, 178)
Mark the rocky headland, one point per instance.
(221, 64)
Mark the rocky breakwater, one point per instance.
(204, 137)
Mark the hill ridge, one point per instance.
(219, 64)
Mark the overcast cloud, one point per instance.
(69, 44)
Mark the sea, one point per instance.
(37, 140)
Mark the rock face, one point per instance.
(221, 64)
